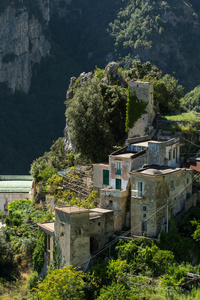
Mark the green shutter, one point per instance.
(106, 177)
(118, 184)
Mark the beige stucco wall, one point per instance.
(98, 175)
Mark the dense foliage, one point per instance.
(8, 267)
(192, 99)
(19, 237)
(167, 93)
(48, 164)
(96, 117)
(134, 109)
(38, 254)
(138, 269)
(65, 283)
(162, 30)
(102, 109)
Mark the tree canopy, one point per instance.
(65, 283)
(167, 93)
(96, 117)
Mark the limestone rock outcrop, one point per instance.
(23, 44)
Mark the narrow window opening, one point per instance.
(172, 186)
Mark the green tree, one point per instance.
(196, 234)
(116, 291)
(95, 120)
(65, 283)
(47, 173)
(56, 159)
(138, 70)
(8, 268)
(167, 93)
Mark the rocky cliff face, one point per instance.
(23, 44)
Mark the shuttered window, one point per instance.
(106, 177)
(118, 184)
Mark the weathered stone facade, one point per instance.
(144, 91)
(118, 202)
(154, 191)
(121, 162)
(77, 233)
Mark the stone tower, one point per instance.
(72, 234)
(144, 91)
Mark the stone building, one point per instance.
(136, 188)
(113, 180)
(15, 187)
(156, 190)
(77, 233)
(144, 91)
(143, 146)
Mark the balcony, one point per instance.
(137, 194)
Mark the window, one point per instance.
(144, 208)
(144, 226)
(170, 154)
(188, 195)
(106, 177)
(188, 180)
(118, 167)
(61, 229)
(140, 189)
(48, 242)
(174, 153)
(172, 186)
(144, 215)
(118, 184)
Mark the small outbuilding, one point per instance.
(15, 187)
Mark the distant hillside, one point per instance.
(164, 32)
(72, 37)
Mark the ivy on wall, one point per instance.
(38, 254)
(134, 109)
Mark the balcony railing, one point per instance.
(137, 194)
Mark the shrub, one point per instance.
(32, 281)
